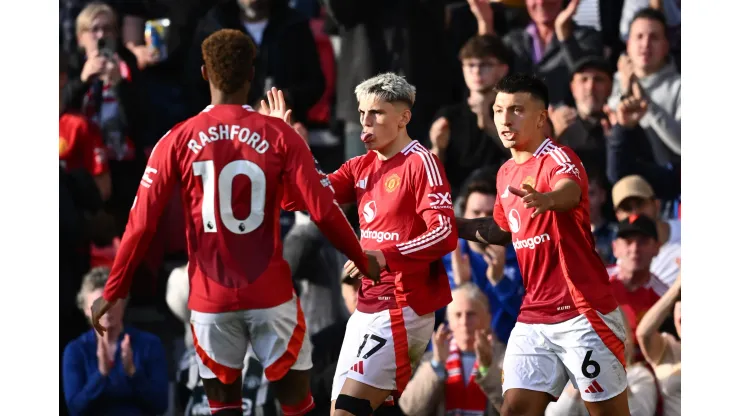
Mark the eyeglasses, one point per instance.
(105, 29)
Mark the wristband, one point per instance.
(439, 370)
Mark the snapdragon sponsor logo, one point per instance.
(379, 236)
(530, 242)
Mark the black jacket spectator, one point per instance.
(402, 36)
(131, 114)
(629, 154)
(470, 147)
(287, 57)
(558, 58)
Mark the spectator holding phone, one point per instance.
(102, 85)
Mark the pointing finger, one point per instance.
(516, 191)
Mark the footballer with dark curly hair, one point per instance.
(233, 165)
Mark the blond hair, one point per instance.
(472, 292)
(387, 87)
(90, 12)
(94, 279)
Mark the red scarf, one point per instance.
(462, 400)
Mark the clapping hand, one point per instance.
(127, 356)
(630, 110)
(484, 347)
(564, 21)
(441, 343)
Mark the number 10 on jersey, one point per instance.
(206, 170)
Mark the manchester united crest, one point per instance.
(528, 181)
(392, 182)
(62, 145)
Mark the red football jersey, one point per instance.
(639, 300)
(233, 165)
(81, 145)
(405, 211)
(563, 275)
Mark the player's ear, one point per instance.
(542, 119)
(405, 118)
(203, 72)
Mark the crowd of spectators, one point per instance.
(613, 71)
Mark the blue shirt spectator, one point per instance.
(123, 372)
(493, 269)
(504, 298)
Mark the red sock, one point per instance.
(300, 409)
(228, 407)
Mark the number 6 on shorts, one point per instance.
(588, 362)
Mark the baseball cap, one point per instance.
(631, 186)
(637, 224)
(592, 62)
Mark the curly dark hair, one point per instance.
(229, 58)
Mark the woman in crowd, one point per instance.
(123, 372)
(103, 85)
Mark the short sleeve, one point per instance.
(499, 216)
(565, 164)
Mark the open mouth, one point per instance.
(508, 135)
(366, 137)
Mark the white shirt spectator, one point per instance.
(664, 264)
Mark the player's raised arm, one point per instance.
(315, 194)
(434, 204)
(153, 195)
(340, 182)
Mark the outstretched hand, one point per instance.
(533, 199)
(276, 106)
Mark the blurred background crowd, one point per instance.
(129, 71)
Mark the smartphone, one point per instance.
(107, 47)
